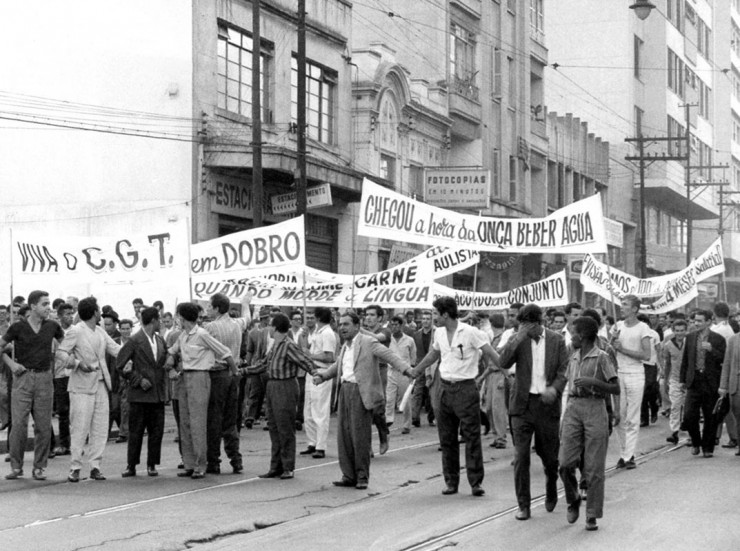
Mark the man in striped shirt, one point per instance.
(283, 362)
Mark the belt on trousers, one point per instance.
(453, 383)
(586, 397)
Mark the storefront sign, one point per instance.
(400, 254)
(614, 233)
(317, 196)
(576, 228)
(457, 188)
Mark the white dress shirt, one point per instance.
(539, 381)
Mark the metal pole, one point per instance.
(687, 107)
(722, 287)
(257, 191)
(301, 182)
(643, 223)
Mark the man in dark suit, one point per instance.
(147, 390)
(258, 343)
(423, 339)
(701, 369)
(361, 394)
(541, 360)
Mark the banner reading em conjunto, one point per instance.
(547, 293)
(82, 260)
(576, 228)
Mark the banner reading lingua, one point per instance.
(576, 228)
(547, 293)
(75, 260)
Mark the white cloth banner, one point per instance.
(242, 254)
(576, 228)
(71, 261)
(549, 292)
(595, 276)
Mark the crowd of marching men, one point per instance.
(567, 377)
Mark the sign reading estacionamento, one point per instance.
(576, 228)
(457, 188)
(317, 196)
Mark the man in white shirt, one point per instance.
(322, 344)
(457, 346)
(85, 346)
(405, 348)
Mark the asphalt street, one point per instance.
(671, 501)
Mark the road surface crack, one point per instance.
(191, 543)
(110, 541)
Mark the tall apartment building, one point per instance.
(632, 78)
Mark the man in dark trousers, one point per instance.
(701, 369)
(541, 359)
(421, 397)
(458, 347)
(147, 390)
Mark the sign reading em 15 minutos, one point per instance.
(457, 188)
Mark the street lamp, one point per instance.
(642, 8)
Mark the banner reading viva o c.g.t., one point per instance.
(576, 228)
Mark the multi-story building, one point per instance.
(632, 78)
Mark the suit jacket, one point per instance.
(520, 353)
(144, 366)
(730, 378)
(420, 353)
(256, 349)
(115, 378)
(76, 345)
(712, 360)
(368, 353)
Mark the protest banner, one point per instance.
(595, 276)
(240, 254)
(576, 228)
(82, 260)
(549, 292)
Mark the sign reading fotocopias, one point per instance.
(457, 188)
(576, 228)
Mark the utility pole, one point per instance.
(257, 188)
(687, 120)
(301, 181)
(721, 232)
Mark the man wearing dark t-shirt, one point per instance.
(33, 387)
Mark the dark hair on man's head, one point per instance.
(110, 314)
(87, 307)
(593, 314)
(188, 311)
(125, 322)
(33, 298)
(587, 327)
(378, 310)
(530, 313)
(644, 318)
(56, 303)
(137, 301)
(399, 320)
(679, 316)
(106, 308)
(446, 305)
(572, 306)
(322, 314)
(557, 314)
(23, 310)
(497, 320)
(63, 307)
(610, 320)
(722, 310)
(679, 323)
(167, 315)
(220, 302)
(158, 304)
(353, 316)
(281, 323)
(706, 313)
(149, 314)
(516, 306)
(20, 300)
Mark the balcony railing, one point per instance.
(465, 88)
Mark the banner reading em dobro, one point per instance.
(241, 254)
(85, 260)
(673, 290)
(547, 293)
(576, 228)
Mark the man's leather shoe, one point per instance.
(39, 474)
(286, 475)
(197, 474)
(550, 504)
(477, 491)
(345, 483)
(416, 423)
(121, 440)
(319, 454)
(14, 474)
(361, 486)
(449, 490)
(591, 524)
(737, 453)
(621, 464)
(74, 475)
(384, 446)
(695, 450)
(270, 474)
(130, 471)
(187, 473)
(730, 444)
(151, 470)
(308, 451)
(523, 513)
(708, 454)
(237, 468)
(213, 469)
(673, 438)
(574, 509)
(95, 474)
